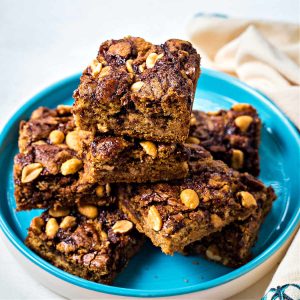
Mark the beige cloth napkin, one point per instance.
(286, 280)
(266, 55)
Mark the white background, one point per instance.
(44, 41)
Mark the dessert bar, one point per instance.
(48, 171)
(91, 242)
(230, 135)
(232, 245)
(110, 159)
(138, 89)
(177, 213)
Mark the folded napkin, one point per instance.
(266, 55)
(285, 283)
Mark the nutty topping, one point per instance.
(189, 198)
(122, 226)
(216, 220)
(105, 71)
(129, 66)
(102, 128)
(51, 228)
(192, 140)
(73, 140)
(149, 148)
(154, 219)
(213, 113)
(71, 166)
(247, 199)
(108, 189)
(137, 86)
(152, 59)
(240, 106)
(100, 191)
(40, 142)
(56, 137)
(36, 114)
(64, 109)
(36, 224)
(243, 122)
(212, 253)
(31, 172)
(68, 222)
(103, 235)
(193, 120)
(237, 159)
(59, 212)
(142, 67)
(96, 67)
(89, 211)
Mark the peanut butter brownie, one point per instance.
(48, 171)
(91, 242)
(232, 136)
(138, 89)
(232, 245)
(177, 213)
(120, 159)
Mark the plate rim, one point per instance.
(120, 291)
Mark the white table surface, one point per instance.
(44, 41)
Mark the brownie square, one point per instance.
(110, 159)
(232, 245)
(232, 136)
(175, 214)
(48, 170)
(91, 242)
(138, 89)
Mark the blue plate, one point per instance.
(152, 273)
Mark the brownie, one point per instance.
(111, 159)
(232, 245)
(138, 89)
(230, 135)
(91, 242)
(175, 214)
(48, 171)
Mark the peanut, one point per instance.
(247, 199)
(136, 86)
(154, 219)
(237, 159)
(51, 228)
(59, 212)
(31, 172)
(122, 226)
(56, 137)
(149, 148)
(189, 198)
(243, 122)
(88, 210)
(68, 222)
(71, 166)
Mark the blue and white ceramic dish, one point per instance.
(151, 273)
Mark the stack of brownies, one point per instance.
(129, 161)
